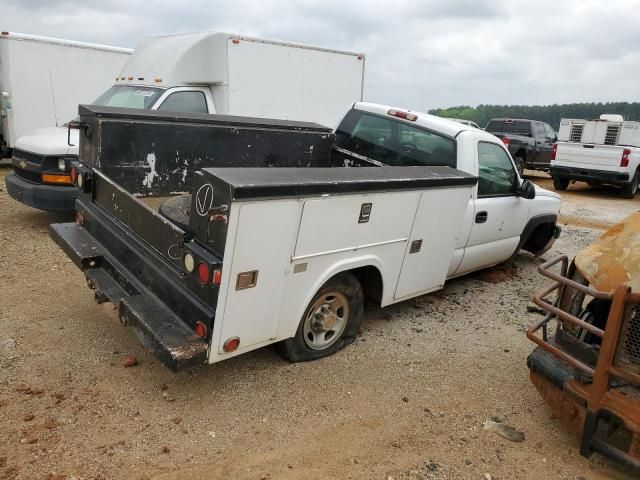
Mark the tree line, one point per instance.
(550, 114)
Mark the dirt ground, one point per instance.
(406, 401)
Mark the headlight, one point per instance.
(62, 164)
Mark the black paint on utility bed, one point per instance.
(251, 183)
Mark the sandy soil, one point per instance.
(406, 401)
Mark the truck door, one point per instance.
(499, 215)
(544, 144)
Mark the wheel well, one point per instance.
(539, 238)
(371, 281)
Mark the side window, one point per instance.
(549, 132)
(497, 177)
(185, 102)
(539, 129)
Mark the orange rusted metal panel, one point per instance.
(613, 259)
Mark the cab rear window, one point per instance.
(516, 127)
(394, 143)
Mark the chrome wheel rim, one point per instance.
(326, 320)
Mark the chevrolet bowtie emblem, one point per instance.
(23, 164)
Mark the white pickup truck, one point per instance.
(395, 203)
(603, 151)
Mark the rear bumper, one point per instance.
(156, 325)
(51, 198)
(584, 174)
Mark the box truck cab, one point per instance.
(198, 73)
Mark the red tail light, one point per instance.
(624, 161)
(204, 274)
(554, 151)
(200, 329)
(506, 141)
(231, 344)
(73, 175)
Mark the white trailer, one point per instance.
(43, 79)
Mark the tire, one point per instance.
(631, 188)
(560, 183)
(338, 308)
(177, 210)
(519, 161)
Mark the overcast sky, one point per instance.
(421, 54)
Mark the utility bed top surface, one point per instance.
(201, 118)
(248, 183)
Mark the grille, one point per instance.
(28, 175)
(629, 347)
(576, 132)
(27, 156)
(611, 137)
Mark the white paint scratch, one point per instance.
(149, 177)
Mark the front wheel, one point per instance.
(330, 322)
(560, 183)
(631, 188)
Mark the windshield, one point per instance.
(129, 97)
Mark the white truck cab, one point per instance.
(211, 72)
(499, 219)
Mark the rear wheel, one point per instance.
(631, 188)
(330, 322)
(560, 183)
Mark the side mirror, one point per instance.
(526, 190)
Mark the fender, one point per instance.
(532, 224)
(342, 265)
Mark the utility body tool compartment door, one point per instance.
(262, 243)
(432, 240)
(341, 223)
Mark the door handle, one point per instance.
(481, 217)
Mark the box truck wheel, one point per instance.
(631, 188)
(330, 322)
(560, 183)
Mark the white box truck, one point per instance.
(602, 151)
(207, 72)
(43, 79)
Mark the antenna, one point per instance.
(53, 98)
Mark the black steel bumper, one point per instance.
(52, 198)
(583, 174)
(157, 326)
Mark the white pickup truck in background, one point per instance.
(600, 152)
